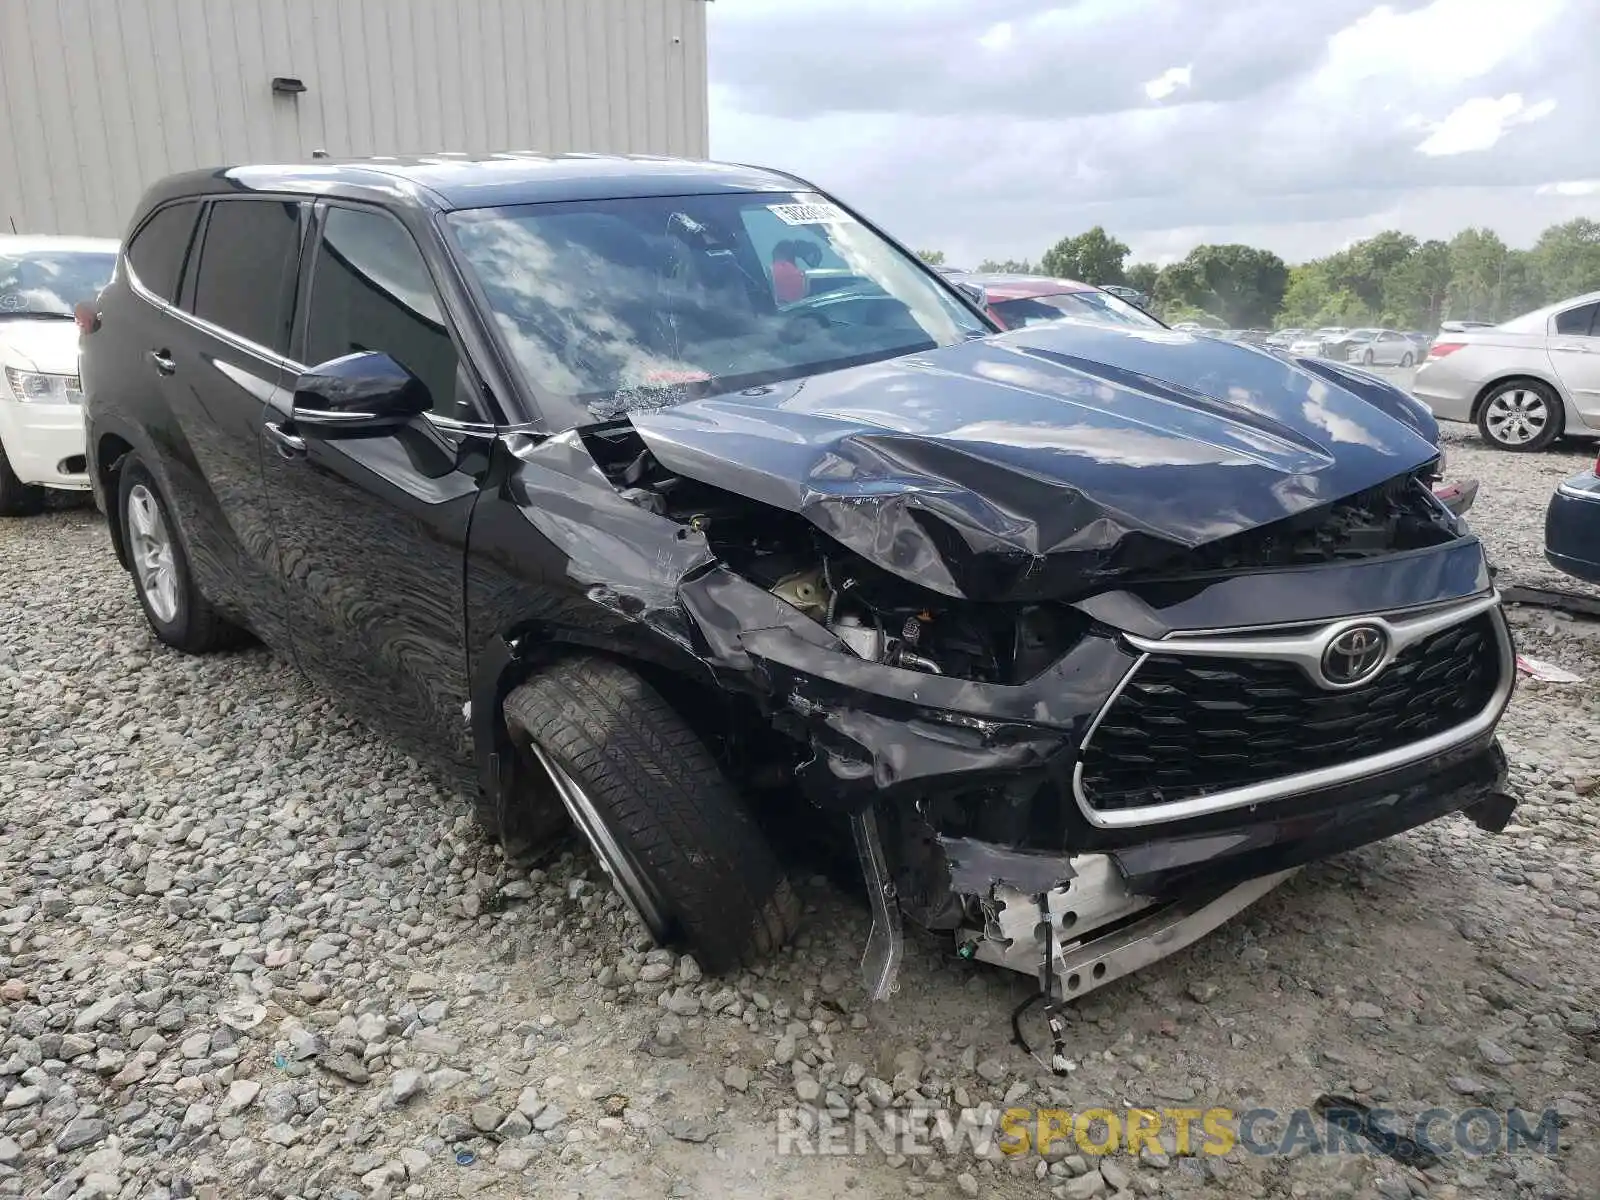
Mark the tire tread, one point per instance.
(666, 800)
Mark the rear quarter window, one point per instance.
(1580, 321)
(157, 252)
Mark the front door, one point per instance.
(373, 527)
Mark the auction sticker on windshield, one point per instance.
(811, 214)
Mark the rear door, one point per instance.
(222, 358)
(1575, 355)
(373, 526)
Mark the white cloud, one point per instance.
(1448, 41)
(1571, 187)
(1481, 122)
(998, 37)
(1169, 81)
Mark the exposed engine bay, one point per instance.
(1043, 635)
(886, 619)
(989, 865)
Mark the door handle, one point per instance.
(163, 361)
(289, 445)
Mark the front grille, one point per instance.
(1185, 727)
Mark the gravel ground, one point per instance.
(249, 950)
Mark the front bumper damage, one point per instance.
(1040, 882)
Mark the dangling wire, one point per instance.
(1055, 1014)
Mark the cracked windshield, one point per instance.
(634, 304)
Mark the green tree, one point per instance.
(1415, 294)
(934, 258)
(1388, 279)
(1566, 259)
(1143, 276)
(1007, 266)
(1477, 275)
(1093, 257)
(1242, 284)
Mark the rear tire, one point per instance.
(667, 826)
(1407, 359)
(178, 614)
(17, 499)
(1521, 415)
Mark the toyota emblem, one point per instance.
(1355, 656)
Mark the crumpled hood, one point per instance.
(46, 345)
(1039, 462)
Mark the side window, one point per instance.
(158, 250)
(370, 290)
(1580, 321)
(247, 268)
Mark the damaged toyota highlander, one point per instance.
(1078, 637)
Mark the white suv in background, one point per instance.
(42, 279)
(1526, 381)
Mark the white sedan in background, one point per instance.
(1380, 347)
(42, 279)
(1524, 382)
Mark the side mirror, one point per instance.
(358, 393)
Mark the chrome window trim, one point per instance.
(206, 327)
(287, 364)
(1291, 649)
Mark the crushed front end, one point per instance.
(1128, 769)
(1089, 659)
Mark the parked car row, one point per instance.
(1366, 346)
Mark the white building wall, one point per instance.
(99, 98)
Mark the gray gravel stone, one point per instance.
(406, 1083)
(216, 855)
(80, 1132)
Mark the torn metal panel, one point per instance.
(1037, 463)
(979, 867)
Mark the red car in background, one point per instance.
(1016, 301)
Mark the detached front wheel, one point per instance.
(656, 810)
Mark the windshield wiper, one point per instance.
(32, 315)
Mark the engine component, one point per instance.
(807, 591)
(864, 639)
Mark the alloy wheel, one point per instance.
(625, 874)
(1516, 416)
(150, 546)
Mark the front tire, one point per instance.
(17, 499)
(178, 614)
(1520, 415)
(1366, 358)
(651, 801)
